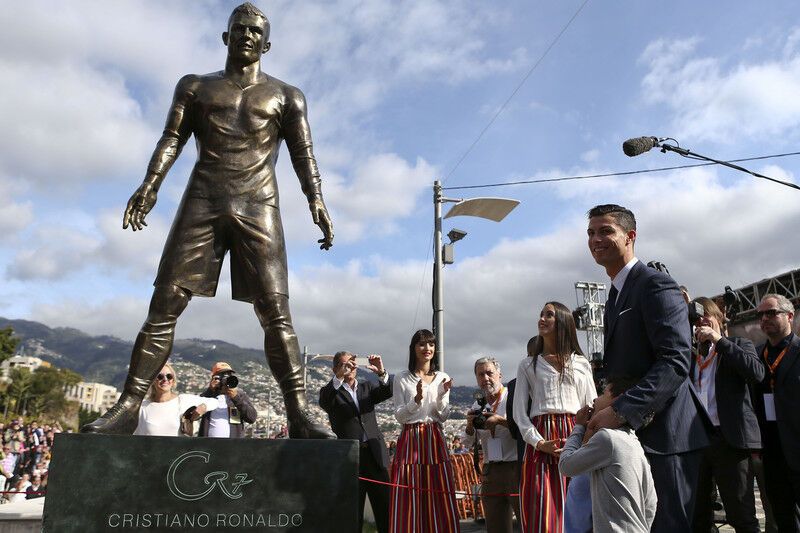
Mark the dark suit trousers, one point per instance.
(730, 468)
(378, 494)
(783, 483)
(675, 479)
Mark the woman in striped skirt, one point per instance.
(424, 501)
(553, 382)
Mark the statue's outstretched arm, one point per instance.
(176, 132)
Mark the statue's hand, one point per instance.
(321, 218)
(141, 202)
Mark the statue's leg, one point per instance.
(150, 352)
(283, 355)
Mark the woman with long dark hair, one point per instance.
(553, 382)
(422, 462)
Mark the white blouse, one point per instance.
(164, 418)
(435, 404)
(548, 393)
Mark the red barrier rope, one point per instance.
(439, 491)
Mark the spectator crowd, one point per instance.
(25, 458)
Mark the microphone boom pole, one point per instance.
(693, 155)
(640, 145)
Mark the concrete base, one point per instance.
(108, 483)
(22, 517)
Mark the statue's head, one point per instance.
(247, 36)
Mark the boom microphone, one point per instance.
(639, 145)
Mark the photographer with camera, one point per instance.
(235, 408)
(487, 418)
(721, 371)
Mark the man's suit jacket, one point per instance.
(737, 369)
(350, 422)
(787, 400)
(647, 336)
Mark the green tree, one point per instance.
(85, 416)
(18, 391)
(8, 343)
(46, 394)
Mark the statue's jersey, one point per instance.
(238, 132)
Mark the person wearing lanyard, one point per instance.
(778, 409)
(721, 373)
(500, 476)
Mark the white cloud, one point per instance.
(382, 189)
(590, 156)
(54, 253)
(135, 253)
(717, 102)
(83, 127)
(61, 251)
(15, 215)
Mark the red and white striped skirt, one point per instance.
(423, 464)
(543, 490)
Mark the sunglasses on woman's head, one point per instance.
(162, 377)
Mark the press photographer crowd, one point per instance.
(678, 417)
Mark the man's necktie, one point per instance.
(612, 300)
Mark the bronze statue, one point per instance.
(238, 117)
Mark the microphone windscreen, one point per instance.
(638, 145)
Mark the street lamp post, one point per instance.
(489, 208)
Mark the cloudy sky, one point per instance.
(397, 94)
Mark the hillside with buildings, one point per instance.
(103, 363)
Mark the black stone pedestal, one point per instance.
(107, 483)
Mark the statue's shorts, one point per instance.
(205, 230)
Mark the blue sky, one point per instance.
(397, 92)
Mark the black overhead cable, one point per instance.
(612, 174)
(516, 90)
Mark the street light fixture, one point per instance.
(308, 357)
(495, 209)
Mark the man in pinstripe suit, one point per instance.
(647, 335)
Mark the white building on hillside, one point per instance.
(93, 396)
(20, 361)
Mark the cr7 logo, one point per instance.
(212, 480)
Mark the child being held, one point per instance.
(623, 494)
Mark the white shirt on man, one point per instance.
(704, 384)
(219, 425)
(618, 281)
(353, 391)
(500, 448)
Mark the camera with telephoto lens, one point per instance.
(696, 312)
(479, 422)
(229, 380)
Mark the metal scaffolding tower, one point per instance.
(786, 284)
(591, 299)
